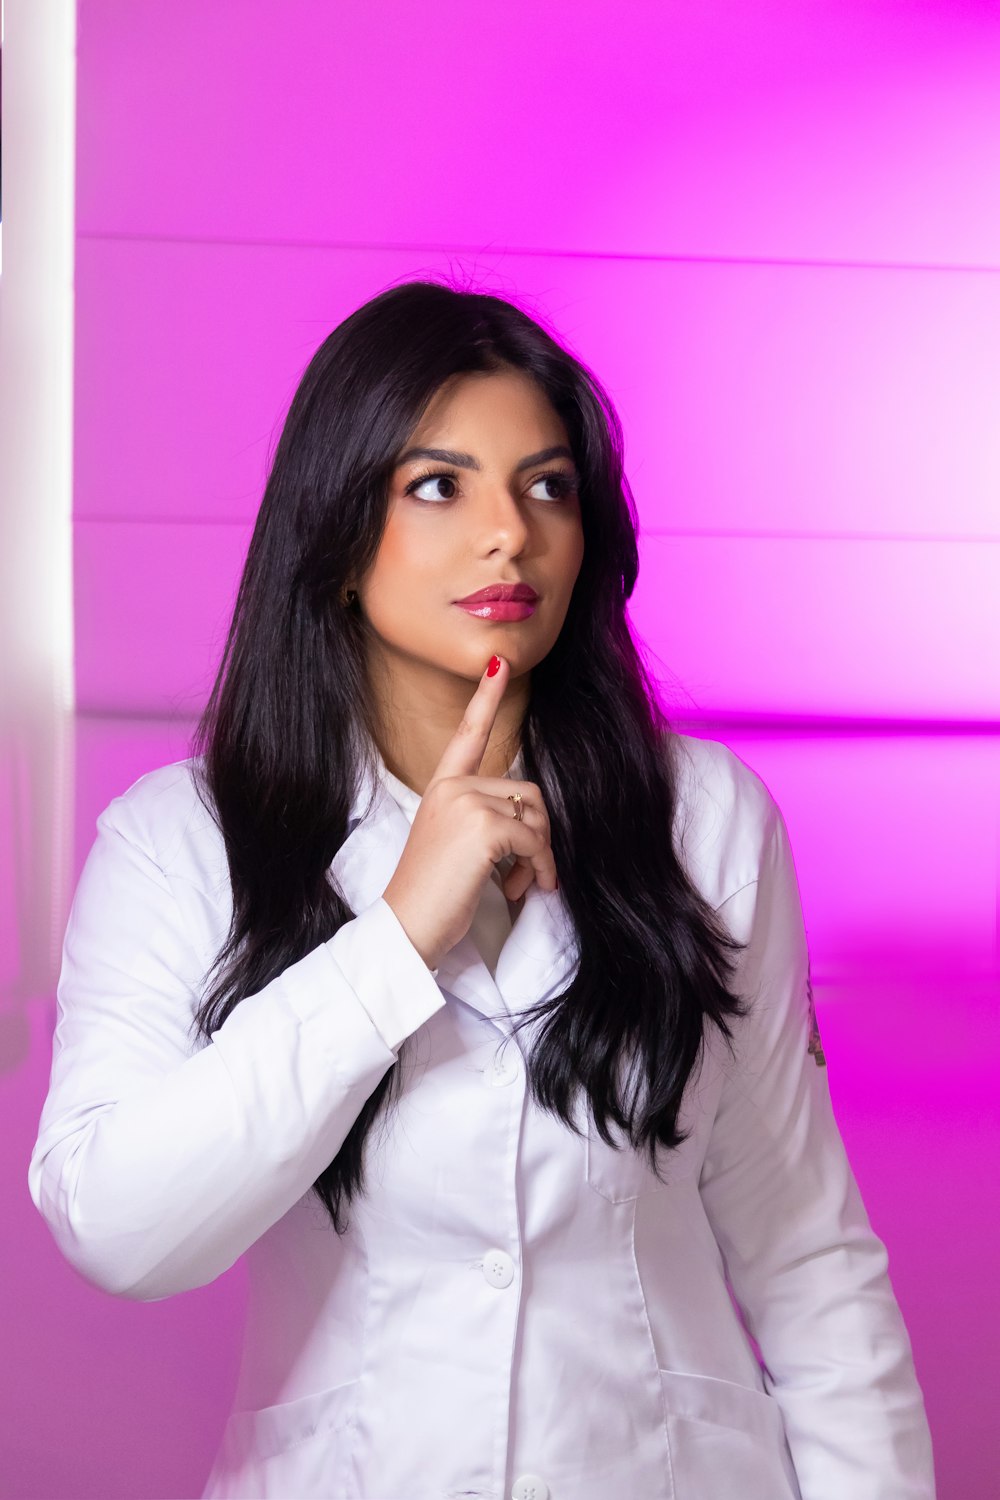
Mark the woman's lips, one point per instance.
(497, 609)
(501, 601)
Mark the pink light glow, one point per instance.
(773, 231)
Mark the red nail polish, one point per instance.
(494, 666)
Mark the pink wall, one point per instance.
(773, 231)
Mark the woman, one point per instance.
(467, 999)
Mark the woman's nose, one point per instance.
(501, 521)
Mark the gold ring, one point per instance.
(518, 802)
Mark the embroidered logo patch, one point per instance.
(815, 1043)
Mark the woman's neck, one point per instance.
(418, 709)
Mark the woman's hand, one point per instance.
(462, 828)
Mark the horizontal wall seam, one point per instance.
(534, 252)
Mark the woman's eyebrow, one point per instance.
(543, 457)
(441, 456)
(466, 460)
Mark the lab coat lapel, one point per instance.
(537, 956)
(366, 861)
(540, 953)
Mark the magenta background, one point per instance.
(774, 232)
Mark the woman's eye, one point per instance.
(553, 487)
(436, 487)
(433, 487)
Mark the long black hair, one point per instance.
(282, 739)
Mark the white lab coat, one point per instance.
(515, 1309)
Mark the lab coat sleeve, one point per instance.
(160, 1160)
(802, 1259)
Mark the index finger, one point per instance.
(463, 754)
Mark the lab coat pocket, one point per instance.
(718, 1431)
(298, 1448)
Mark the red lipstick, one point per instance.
(500, 601)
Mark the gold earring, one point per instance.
(348, 596)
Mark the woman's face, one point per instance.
(485, 492)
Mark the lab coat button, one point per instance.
(498, 1268)
(529, 1487)
(503, 1070)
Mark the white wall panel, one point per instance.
(783, 128)
(152, 608)
(882, 629)
(869, 629)
(754, 399)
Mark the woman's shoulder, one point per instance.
(723, 818)
(164, 815)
